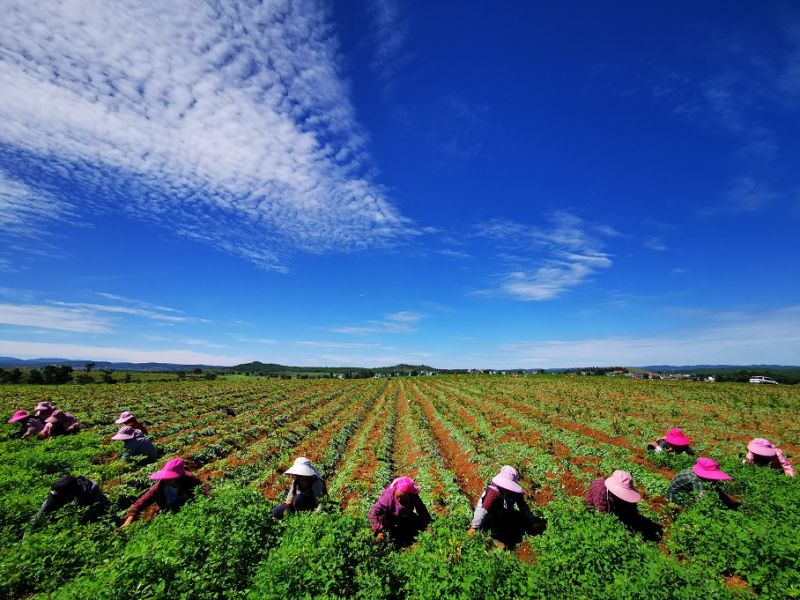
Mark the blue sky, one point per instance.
(457, 184)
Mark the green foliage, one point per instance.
(586, 554)
(324, 555)
(445, 563)
(210, 549)
(757, 542)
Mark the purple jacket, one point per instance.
(387, 508)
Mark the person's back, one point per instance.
(136, 443)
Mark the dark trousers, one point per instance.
(404, 530)
(299, 502)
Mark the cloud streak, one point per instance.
(773, 337)
(399, 322)
(112, 353)
(229, 123)
(566, 254)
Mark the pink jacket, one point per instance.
(779, 461)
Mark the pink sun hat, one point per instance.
(124, 417)
(405, 485)
(507, 479)
(676, 437)
(18, 416)
(44, 406)
(708, 468)
(762, 447)
(621, 485)
(125, 433)
(172, 470)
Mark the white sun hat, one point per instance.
(302, 466)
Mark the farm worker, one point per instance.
(614, 494)
(502, 509)
(84, 491)
(764, 453)
(43, 410)
(227, 411)
(675, 441)
(59, 423)
(29, 425)
(694, 479)
(305, 492)
(399, 512)
(127, 418)
(175, 486)
(136, 443)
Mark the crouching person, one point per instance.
(82, 490)
(763, 453)
(60, 423)
(703, 476)
(502, 510)
(136, 444)
(675, 441)
(29, 425)
(175, 486)
(306, 491)
(399, 512)
(616, 495)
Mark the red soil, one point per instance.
(456, 460)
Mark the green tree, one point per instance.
(35, 377)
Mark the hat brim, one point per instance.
(159, 475)
(713, 475)
(122, 421)
(19, 418)
(678, 440)
(302, 470)
(623, 493)
(508, 484)
(123, 437)
(765, 451)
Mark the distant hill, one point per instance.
(275, 369)
(34, 363)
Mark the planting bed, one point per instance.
(451, 434)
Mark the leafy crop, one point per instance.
(451, 434)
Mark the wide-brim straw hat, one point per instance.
(124, 417)
(302, 466)
(708, 468)
(125, 433)
(762, 447)
(507, 479)
(621, 485)
(18, 416)
(172, 470)
(676, 437)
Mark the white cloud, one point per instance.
(399, 322)
(768, 338)
(132, 311)
(26, 212)
(655, 243)
(80, 352)
(78, 320)
(388, 37)
(746, 195)
(227, 123)
(338, 345)
(567, 253)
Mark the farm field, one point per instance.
(451, 434)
